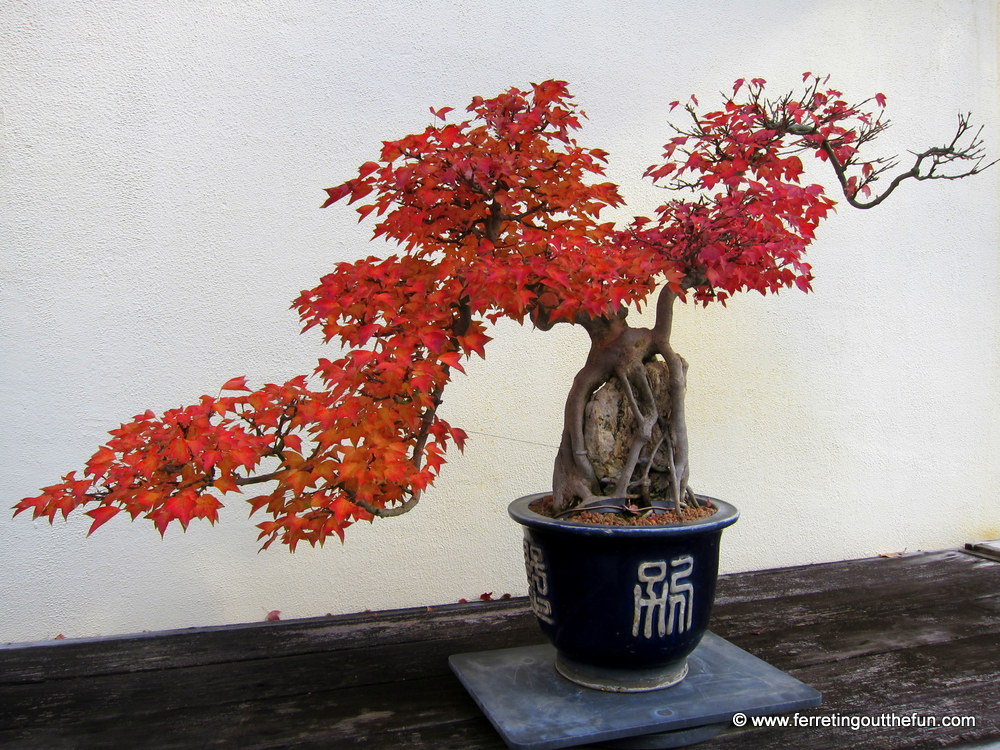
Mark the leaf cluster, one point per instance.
(497, 215)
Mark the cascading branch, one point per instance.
(498, 216)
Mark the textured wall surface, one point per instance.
(161, 168)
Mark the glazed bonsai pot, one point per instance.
(623, 605)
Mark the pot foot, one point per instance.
(621, 680)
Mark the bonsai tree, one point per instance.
(498, 215)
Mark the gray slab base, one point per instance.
(534, 708)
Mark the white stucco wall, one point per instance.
(161, 168)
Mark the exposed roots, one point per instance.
(624, 435)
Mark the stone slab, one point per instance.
(533, 707)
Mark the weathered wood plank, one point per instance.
(49, 660)
(866, 577)
(827, 627)
(797, 640)
(349, 670)
(955, 678)
(264, 640)
(427, 707)
(916, 634)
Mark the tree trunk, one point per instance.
(624, 437)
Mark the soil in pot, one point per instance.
(607, 515)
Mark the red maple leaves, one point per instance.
(495, 216)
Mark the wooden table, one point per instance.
(916, 636)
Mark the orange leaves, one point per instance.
(749, 221)
(294, 442)
(448, 136)
(182, 507)
(458, 197)
(458, 436)
(550, 91)
(474, 341)
(297, 480)
(435, 340)
(335, 194)
(357, 188)
(235, 384)
(166, 468)
(101, 515)
(497, 216)
(486, 193)
(451, 359)
(100, 462)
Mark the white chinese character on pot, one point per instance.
(663, 597)
(538, 582)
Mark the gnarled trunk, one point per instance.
(624, 434)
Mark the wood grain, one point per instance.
(912, 635)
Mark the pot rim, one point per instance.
(520, 511)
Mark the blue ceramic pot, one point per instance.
(623, 605)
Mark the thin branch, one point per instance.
(259, 479)
(396, 510)
(938, 156)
